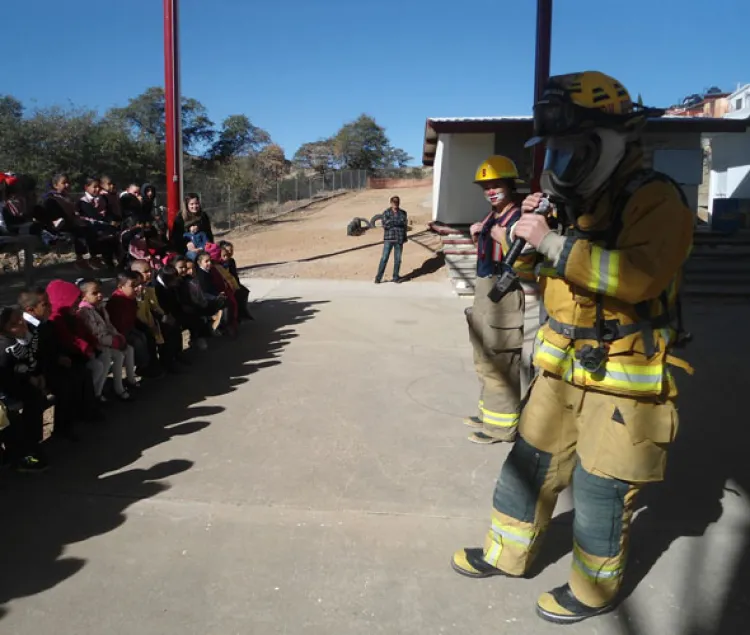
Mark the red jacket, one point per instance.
(72, 334)
(122, 312)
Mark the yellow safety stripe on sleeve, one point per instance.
(595, 570)
(499, 419)
(605, 268)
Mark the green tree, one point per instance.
(238, 137)
(145, 115)
(271, 162)
(316, 155)
(398, 158)
(362, 144)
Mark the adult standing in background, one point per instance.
(394, 226)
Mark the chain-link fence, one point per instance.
(230, 208)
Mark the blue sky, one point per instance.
(300, 69)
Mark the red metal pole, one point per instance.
(543, 49)
(172, 108)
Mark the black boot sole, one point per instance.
(553, 618)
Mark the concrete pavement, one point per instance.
(314, 477)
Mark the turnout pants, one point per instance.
(608, 447)
(496, 335)
(532, 306)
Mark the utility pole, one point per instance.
(173, 109)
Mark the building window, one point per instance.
(738, 104)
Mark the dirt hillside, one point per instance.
(312, 243)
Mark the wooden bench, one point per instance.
(26, 243)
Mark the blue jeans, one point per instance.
(397, 248)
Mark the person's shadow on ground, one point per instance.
(87, 491)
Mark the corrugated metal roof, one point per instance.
(524, 124)
(479, 119)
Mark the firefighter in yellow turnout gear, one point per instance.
(496, 330)
(601, 412)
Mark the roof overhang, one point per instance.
(523, 126)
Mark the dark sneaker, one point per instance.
(398, 280)
(471, 563)
(560, 606)
(31, 464)
(377, 281)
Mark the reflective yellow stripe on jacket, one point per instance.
(621, 377)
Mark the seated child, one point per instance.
(69, 382)
(212, 311)
(171, 300)
(21, 381)
(162, 328)
(112, 346)
(73, 337)
(122, 309)
(241, 292)
(196, 241)
(141, 242)
(215, 286)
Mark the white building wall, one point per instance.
(457, 200)
(739, 103)
(730, 167)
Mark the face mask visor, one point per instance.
(569, 160)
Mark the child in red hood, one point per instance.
(73, 336)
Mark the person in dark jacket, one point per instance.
(130, 202)
(148, 200)
(22, 382)
(170, 299)
(59, 217)
(394, 226)
(91, 207)
(191, 214)
(68, 380)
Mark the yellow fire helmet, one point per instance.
(576, 102)
(496, 167)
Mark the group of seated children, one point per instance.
(59, 344)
